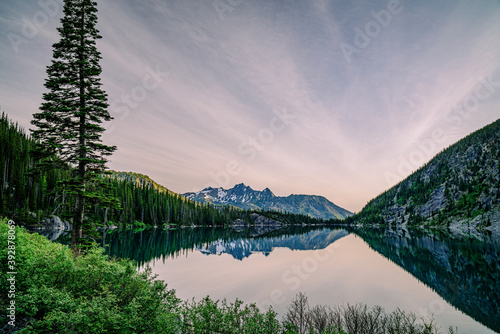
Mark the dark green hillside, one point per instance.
(143, 203)
(22, 196)
(140, 180)
(143, 200)
(460, 185)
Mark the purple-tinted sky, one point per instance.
(335, 98)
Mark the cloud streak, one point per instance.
(353, 121)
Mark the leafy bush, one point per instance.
(58, 293)
(207, 316)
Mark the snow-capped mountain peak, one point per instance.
(245, 197)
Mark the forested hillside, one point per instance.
(143, 203)
(461, 185)
(31, 197)
(23, 196)
(140, 180)
(144, 200)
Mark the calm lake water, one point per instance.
(455, 279)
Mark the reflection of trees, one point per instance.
(146, 245)
(465, 272)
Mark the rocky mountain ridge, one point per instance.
(458, 188)
(245, 197)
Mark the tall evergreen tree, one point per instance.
(69, 126)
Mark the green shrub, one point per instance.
(58, 293)
(208, 316)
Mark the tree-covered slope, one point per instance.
(31, 197)
(22, 195)
(460, 185)
(140, 180)
(144, 200)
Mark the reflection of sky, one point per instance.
(353, 121)
(347, 271)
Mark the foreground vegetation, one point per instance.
(56, 292)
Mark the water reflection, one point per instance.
(464, 271)
(241, 248)
(153, 244)
(253, 264)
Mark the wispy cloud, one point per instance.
(223, 80)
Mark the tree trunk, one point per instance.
(76, 232)
(106, 216)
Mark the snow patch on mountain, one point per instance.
(221, 193)
(244, 197)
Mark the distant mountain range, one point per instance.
(244, 197)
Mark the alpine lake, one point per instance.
(433, 273)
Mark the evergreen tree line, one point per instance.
(30, 197)
(24, 195)
(142, 204)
